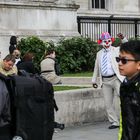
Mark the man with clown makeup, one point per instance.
(106, 69)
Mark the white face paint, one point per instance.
(106, 43)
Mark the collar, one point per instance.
(50, 58)
(132, 80)
(106, 49)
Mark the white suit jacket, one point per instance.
(97, 67)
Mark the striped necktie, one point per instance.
(104, 63)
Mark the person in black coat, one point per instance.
(13, 44)
(129, 66)
(5, 114)
(27, 64)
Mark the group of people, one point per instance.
(118, 69)
(13, 63)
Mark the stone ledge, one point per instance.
(43, 4)
(76, 80)
(81, 106)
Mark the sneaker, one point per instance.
(113, 127)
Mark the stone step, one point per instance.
(76, 80)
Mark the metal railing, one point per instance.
(92, 27)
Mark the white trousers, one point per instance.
(111, 86)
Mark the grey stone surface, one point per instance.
(27, 18)
(81, 106)
(76, 80)
(96, 131)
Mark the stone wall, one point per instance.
(125, 8)
(47, 19)
(77, 107)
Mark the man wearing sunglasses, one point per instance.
(106, 68)
(129, 66)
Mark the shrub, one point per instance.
(117, 42)
(34, 45)
(76, 54)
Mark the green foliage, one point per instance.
(76, 54)
(117, 42)
(34, 45)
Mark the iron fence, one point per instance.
(92, 27)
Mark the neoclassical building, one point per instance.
(96, 16)
(52, 19)
(48, 19)
(105, 8)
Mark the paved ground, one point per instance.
(98, 131)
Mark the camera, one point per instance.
(59, 125)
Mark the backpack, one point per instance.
(32, 107)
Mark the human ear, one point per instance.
(138, 66)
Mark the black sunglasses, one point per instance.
(125, 60)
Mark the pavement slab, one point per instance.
(96, 131)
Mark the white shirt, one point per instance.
(110, 70)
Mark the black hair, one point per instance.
(10, 57)
(50, 51)
(28, 56)
(132, 47)
(13, 40)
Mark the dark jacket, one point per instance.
(13, 44)
(130, 109)
(4, 104)
(12, 48)
(28, 66)
(5, 113)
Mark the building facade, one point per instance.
(106, 8)
(114, 16)
(51, 19)
(48, 19)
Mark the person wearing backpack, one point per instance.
(7, 67)
(49, 70)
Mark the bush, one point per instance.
(76, 54)
(34, 45)
(117, 42)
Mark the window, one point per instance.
(100, 4)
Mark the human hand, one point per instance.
(120, 35)
(95, 85)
